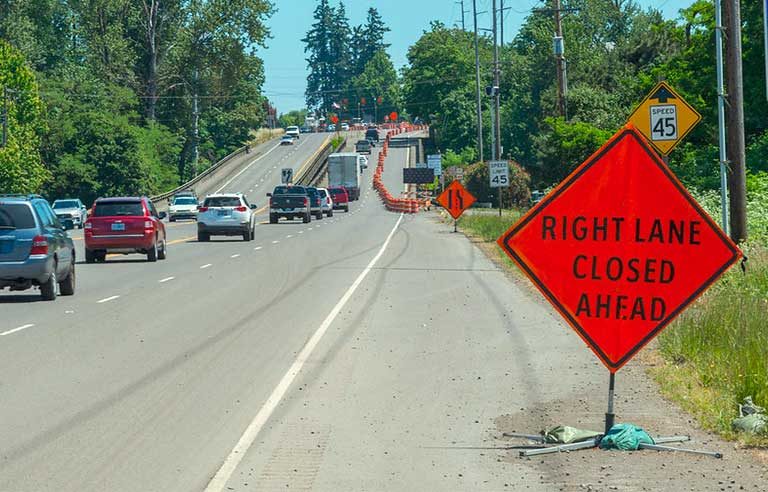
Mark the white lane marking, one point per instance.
(289, 236)
(23, 327)
(235, 256)
(257, 248)
(166, 279)
(107, 299)
(246, 168)
(275, 241)
(310, 229)
(207, 265)
(219, 481)
(301, 232)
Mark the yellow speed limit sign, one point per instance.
(664, 118)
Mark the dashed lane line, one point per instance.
(235, 256)
(207, 265)
(107, 299)
(22, 327)
(166, 279)
(257, 248)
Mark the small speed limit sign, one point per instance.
(664, 122)
(498, 172)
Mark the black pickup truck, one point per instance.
(290, 202)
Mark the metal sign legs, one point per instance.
(659, 442)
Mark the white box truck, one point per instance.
(344, 171)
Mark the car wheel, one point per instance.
(330, 213)
(319, 215)
(346, 208)
(163, 253)
(307, 218)
(203, 237)
(67, 286)
(90, 256)
(81, 225)
(152, 253)
(101, 257)
(48, 289)
(272, 219)
(171, 219)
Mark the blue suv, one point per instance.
(35, 249)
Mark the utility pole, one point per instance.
(5, 117)
(195, 129)
(559, 60)
(463, 25)
(477, 89)
(501, 12)
(737, 181)
(496, 95)
(721, 116)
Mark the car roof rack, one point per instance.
(20, 195)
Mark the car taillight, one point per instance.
(149, 226)
(306, 202)
(39, 246)
(202, 209)
(242, 209)
(88, 226)
(270, 203)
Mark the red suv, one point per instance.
(124, 225)
(340, 198)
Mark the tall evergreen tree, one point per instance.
(319, 61)
(372, 38)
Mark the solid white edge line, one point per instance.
(246, 168)
(23, 327)
(107, 299)
(166, 279)
(206, 266)
(219, 481)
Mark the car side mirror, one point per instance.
(269, 194)
(253, 206)
(162, 215)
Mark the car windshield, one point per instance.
(312, 191)
(185, 201)
(289, 190)
(16, 216)
(335, 191)
(122, 208)
(222, 201)
(66, 204)
(323, 193)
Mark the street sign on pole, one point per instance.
(456, 199)
(287, 175)
(418, 175)
(498, 173)
(620, 248)
(664, 118)
(435, 161)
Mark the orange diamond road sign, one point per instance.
(620, 248)
(456, 199)
(664, 118)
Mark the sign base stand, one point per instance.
(595, 441)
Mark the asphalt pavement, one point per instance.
(367, 351)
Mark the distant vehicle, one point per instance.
(286, 140)
(292, 131)
(326, 202)
(226, 214)
(372, 134)
(305, 129)
(71, 212)
(290, 202)
(340, 198)
(35, 250)
(331, 128)
(343, 170)
(315, 203)
(180, 194)
(362, 162)
(363, 147)
(125, 225)
(183, 207)
(536, 196)
(345, 127)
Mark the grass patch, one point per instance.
(336, 142)
(263, 135)
(716, 350)
(486, 224)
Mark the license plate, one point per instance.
(224, 213)
(118, 227)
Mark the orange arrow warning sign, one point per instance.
(456, 199)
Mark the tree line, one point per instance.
(350, 72)
(126, 96)
(616, 52)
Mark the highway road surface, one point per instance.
(368, 351)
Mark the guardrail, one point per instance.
(315, 170)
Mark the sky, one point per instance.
(285, 61)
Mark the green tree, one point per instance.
(379, 80)
(293, 118)
(368, 39)
(321, 81)
(21, 169)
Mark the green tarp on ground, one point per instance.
(563, 434)
(625, 437)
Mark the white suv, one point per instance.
(227, 214)
(326, 202)
(293, 131)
